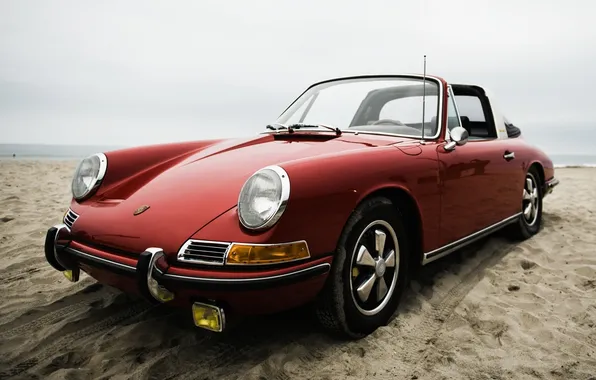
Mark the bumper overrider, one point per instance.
(550, 185)
(208, 291)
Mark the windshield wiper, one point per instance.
(302, 125)
(281, 126)
(291, 127)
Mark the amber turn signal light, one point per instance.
(267, 254)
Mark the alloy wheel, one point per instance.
(374, 268)
(530, 201)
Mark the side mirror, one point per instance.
(459, 136)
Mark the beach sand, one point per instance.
(496, 310)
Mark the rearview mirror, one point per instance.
(459, 136)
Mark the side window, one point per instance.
(470, 107)
(452, 114)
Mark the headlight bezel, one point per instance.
(284, 179)
(97, 180)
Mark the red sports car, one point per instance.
(357, 181)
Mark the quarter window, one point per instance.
(452, 114)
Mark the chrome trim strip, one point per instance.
(240, 280)
(451, 247)
(101, 259)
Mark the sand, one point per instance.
(496, 310)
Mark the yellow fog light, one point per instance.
(72, 275)
(208, 316)
(267, 253)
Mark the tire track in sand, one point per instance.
(440, 311)
(65, 342)
(74, 289)
(220, 355)
(217, 357)
(50, 317)
(21, 269)
(411, 343)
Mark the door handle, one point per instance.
(509, 155)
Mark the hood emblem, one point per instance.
(141, 210)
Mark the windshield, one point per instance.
(380, 104)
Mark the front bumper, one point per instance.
(152, 276)
(160, 272)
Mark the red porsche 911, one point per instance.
(332, 204)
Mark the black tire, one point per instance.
(339, 309)
(526, 227)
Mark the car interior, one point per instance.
(367, 117)
(474, 112)
(473, 106)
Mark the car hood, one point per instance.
(188, 195)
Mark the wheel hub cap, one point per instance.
(380, 268)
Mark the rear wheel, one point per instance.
(369, 271)
(530, 220)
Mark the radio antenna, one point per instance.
(423, 97)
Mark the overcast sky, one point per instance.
(137, 72)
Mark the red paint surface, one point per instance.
(196, 195)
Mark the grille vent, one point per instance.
(203, 252)
(70, 218)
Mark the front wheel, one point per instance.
(369, 271)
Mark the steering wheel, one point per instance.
(389, 121)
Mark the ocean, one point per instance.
(51, 152)
(77, 152)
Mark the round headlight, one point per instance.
(263, 198)
(89, 175)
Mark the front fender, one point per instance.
(325, 191)
(130, 168)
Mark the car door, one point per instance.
(473, 178)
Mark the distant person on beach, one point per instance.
(14, 155)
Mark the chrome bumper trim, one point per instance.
(59, 227)
(100, 260)
(323, 268)
(319, 268)
(550, 185)
(148, 286)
